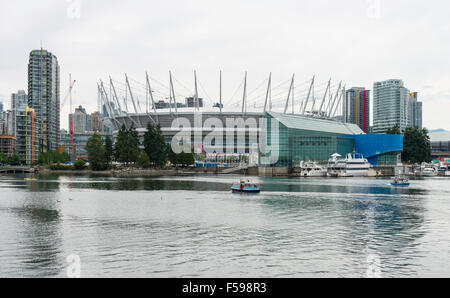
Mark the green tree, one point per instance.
(13, 160)
(52, 157)
(108, 149)
(155, 145)
(126, 148)
(120, 147)
(3, 158)
(395, 130)
(96, 153)
(79, 165)
(143, 160)
(416, 146)
(182, 159)
(133, 144)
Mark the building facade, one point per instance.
(79, 143)
(357, 107)
(414, 111)
(19, 100)
(97, 122)
(81, 120)
(391, 106)
(44, 97)
(297, 138)
(27, 126)
(8, 145)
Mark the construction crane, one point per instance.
(69, 95)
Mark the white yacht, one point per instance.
(429, 172)
(312, 169)
(355, 165)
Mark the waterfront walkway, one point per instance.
(17, 170)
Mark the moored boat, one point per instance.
(312, 169)
(355, 165)
(429, 172)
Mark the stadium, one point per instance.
(303, 120)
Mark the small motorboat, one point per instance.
(400, 181)
(30, 179)
(246, 186)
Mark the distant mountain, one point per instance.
(439, 135)
(437, 130)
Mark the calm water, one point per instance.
(195, 227)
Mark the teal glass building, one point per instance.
(299, 138)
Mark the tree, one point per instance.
(395, 130)
(79, 165)
(416, 146)
(183, 159)
(133, 144)
(120, 147)
(108, 149)
(126, 148)
(143, 160)
(3, 158)
(13, 160)
(52, 157)
(96, 153)
(155, 145)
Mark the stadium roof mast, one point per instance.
(220, 93)
(197, 105)
(268, 93)
(172, 94)
(330, 110)
(309, 94)
(132, 98)
(108, 105)
(290, 94)
(244, 98)
(122, 112)
(149, 88)
(114, 95)
(339, 102)
(324, 98)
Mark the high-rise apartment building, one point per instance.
(44, 97)
(19, 100)
(414, 111)
(1, 106)
(357, 107)
(390, 105)
(81, 120)
(97, 122)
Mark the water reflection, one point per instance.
(193, 226)
(39, 238)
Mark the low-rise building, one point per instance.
(8, 145)
(27, 128)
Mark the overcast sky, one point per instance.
(356, 41)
